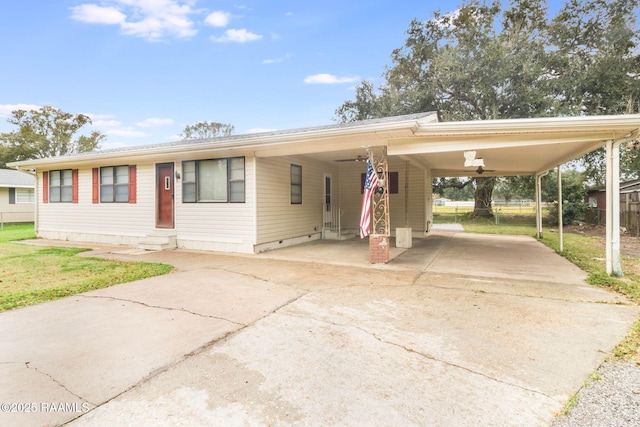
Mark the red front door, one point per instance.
(164, 195)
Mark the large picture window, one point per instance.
(60, 186)
(114, 184)
(296, 185)
(213, 181)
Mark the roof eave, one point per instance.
(251, 142)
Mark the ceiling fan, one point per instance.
(353, 159)
(482, 170)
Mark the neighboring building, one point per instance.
(17, 200)
(255, 192)
(629, 204)
(597, 196)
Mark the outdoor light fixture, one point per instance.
(177, 175)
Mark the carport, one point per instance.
(512, 147)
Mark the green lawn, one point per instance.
(33, 274)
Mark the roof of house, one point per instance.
(625, 187)
(16, 179)
(507, 147)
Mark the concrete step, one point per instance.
(158, 241)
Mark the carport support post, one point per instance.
(539, 206)
(560, 219)
(613, 209)
(379, 239)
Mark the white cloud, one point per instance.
(154, 122)
(447, 20)
(6, 109)
(277, 60)
(149, 19)
(94, 14)
(105, 124)
(237, 36)
(108, 145)
(126, 132)
(218, 19)
(328, 79)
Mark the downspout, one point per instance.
(539, 203)
(613, 209)
(560, 222)
(254, 198)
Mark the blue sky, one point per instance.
(143, 69)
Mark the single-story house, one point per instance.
(255, 192)
(17, 201)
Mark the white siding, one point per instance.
(206, 226)
(116, 223)
(224, 227)
(350, 197)
(419, 196)
(15, 212)
(277, 218)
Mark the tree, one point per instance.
(46, 132)
(204, 130)
(483, 62)
(574, 207)
(595, 68)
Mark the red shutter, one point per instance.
(94, 185)
(45, 187)
(74, 186)
(132, 183)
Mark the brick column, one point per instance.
(378, 249)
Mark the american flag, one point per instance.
(370, 186)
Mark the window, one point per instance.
(296, 185)
(61, 186)
(213, 181)
(25, 195)
(114, 184)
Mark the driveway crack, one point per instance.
(163, 308)
(27, 365)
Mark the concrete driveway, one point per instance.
(462, 329)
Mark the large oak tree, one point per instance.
(486, 61)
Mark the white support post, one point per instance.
(560, 219)
(613, 266)
(538, 179)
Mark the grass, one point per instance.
(33, 274)
(588, 253)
